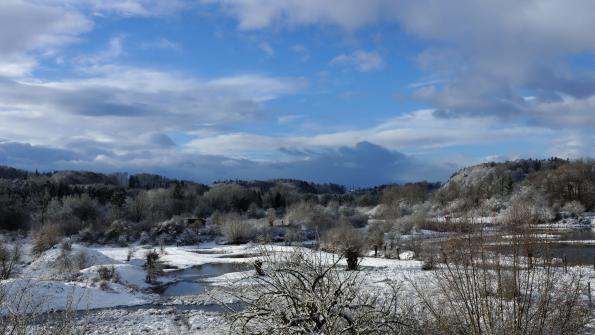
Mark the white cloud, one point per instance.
(573, 144)
(267, 49)
(26, 25)
(115, 49)
(349, 14)
(410, 133)
(16, 66)
(116, 108)
(363, 61)
(302, 51)
(161, 43)
(127, 7)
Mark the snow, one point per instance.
(160, 315)
(185, 257)
(46, 295)
(44, 267)
(126, 274)
(407, 255)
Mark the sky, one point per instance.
(346, 91)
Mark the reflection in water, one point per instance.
(190, 281)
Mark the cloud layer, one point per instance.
(483, 75)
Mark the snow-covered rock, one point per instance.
(46, 265)
(46, 295)
(407, 255)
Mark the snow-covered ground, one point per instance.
(125, 304)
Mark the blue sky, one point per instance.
(353, 92)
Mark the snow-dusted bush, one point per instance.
(429, 262)
(153, 266)
(171, 227)
(23, 311)
(357, 219)
(406, 224)
(519, 214)
(345, 241)
(45, 238)
(574, 207)
(69, 263)
(106, 273)
(376, 231)
(312, 216)
(88, 234)
(188, 237)
(306, 293)
(9, 257)
(118, 228)
(235, 230)
(478, 291)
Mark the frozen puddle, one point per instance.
(190, 281)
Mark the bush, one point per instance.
(429, 263)
(574, 207)
(104, 285)
(13, 212)
(106, 273)
(235, 231)
(481, 292)
(345, 241)
(44, 239)
(304, 293)
(68, 264)
(358, 220)
(188, 237)
(376, 233)
(9, 257)
(87, 234)
(153, 266)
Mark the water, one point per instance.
(190, 281)
(577, 246)
(580, 251)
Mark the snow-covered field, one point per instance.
(127, 305)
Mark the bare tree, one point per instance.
(346, 241)
(306, 293)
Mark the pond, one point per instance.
(190, 281)
(576, 245)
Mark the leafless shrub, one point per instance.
(106, 273)
(45, 238)
(307, 293)
(574, 207)
(153, 266)
(345, 241)
(293, 234)
(9, 257)
(68, 264)
(104, 285)
(24, 313)
(130, 253)
(429, 263)
(236, 231)
(376, 231)
(478, 291)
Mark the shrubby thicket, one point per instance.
(117, 208)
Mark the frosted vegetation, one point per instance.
(500, 248)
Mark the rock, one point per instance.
(407, 255)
